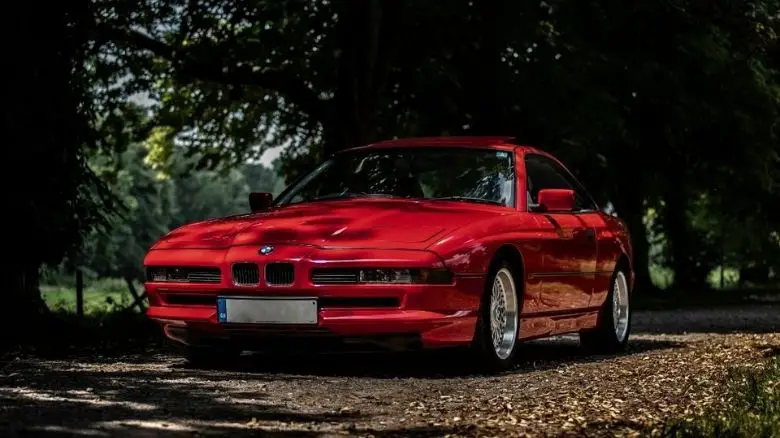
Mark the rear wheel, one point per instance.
(495, 340)
(614, 322)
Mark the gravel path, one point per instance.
(673, 368)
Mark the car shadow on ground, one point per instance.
(151, 393)
(436, 364)
(63, 398)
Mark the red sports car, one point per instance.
(428, 242)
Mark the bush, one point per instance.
(101, 295)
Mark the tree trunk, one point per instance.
(629, 204)
(486, 101)
(628, 198)
(46, 124)
(351, 121)
(368, 31)
(23, 303)
(688, 261)
(756, 275)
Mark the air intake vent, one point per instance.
(246, 274)
(199, 299)
(183, 274)
(279, 274)
(358, 302)
(334, 276)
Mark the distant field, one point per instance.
(100, 296)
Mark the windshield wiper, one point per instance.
(334, 196)
(348, 195)
(468, 199)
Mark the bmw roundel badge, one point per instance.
(266, 249)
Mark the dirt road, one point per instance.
(673, 367)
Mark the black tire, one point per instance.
(211, 356)
(604, 338)
(488, 359)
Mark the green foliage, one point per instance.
(669, 106)
(636, 98)
(160, 149)
(101, 296)
(753, 408)
(155, 205)
(48, 130)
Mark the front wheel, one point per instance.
(496, 336)
(614, 321)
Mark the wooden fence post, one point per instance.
(79, 292)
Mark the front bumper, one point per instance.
(434, 315)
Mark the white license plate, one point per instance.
(251, 310)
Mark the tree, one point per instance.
(50, 192)
(306, 71)
(696, 98)
(155, 204)
(611, 87)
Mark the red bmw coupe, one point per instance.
(427, 242)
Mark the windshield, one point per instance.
(468, 175)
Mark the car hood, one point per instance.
(357, 223)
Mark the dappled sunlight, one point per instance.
(158, 425)
(124, 396)
(73, 396)
(383, 395)
(380, 395)
(56, 430)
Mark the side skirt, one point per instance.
(542, 325)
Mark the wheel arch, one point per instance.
(624, 262)
(513, 255)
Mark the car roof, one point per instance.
(488, 142)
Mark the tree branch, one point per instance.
(188, 68)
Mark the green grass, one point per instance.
(753, 408)
(663, 277)
(100, 296)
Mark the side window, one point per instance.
(543, 173)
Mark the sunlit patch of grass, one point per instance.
(753, 408)
(100, 296)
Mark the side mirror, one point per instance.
(556, 200)
(260, 201)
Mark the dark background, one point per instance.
(123, 119)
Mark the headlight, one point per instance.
(157, 274)
(405, 276)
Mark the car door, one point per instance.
(567, 240)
